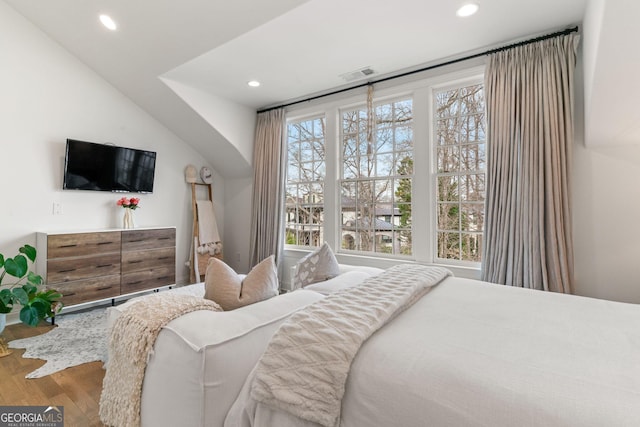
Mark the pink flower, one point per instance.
(132, 203)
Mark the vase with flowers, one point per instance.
(129, 205)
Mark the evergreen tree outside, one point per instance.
(403, 196)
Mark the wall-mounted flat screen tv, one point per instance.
(102, 167)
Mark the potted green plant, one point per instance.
(38, 303)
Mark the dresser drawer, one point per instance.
(133, 240)
(82, 244)
(89, 289)
(70, 269)
(148, 279)
(145, 259)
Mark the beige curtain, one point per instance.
(529, 98)
(269, 160)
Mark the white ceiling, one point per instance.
(294, 47)
(306, 50)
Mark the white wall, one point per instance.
(605, 209)
(237, 204)
(606, 226)
(235, 122)
(591, 30)
(48, 96)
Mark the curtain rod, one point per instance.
(430, 67)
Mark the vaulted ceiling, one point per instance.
(187, 63)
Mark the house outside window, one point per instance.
(306, 172)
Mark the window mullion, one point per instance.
(332, 188)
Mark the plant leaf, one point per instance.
(6, 297)
(21, 296)
(42, 306)
(29, 251)
(34, 279)
(50, 295)
(6, 301)
(29, 315)
(16, 267)
(30, 290)
(1, 260)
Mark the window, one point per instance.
(459, 126)
(305, 182)
(406, 183)
(377, 172)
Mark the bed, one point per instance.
(466, 353)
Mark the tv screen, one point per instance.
(100, 167)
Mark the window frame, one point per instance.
(434, 170)
(322, 226)
(392, 177)
(420, 89)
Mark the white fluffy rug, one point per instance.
(79, 338)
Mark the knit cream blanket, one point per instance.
(131, 344)
(305, 367)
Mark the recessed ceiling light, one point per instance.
(108, 22)
(254, 83)
(467, 10)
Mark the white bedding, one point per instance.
(305, 367)
(201, 360)
(475, 354)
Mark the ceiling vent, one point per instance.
(358, 74)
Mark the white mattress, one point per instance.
(471, 353)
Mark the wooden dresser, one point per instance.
(91, 266)
(148, 259)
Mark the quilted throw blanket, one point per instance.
(131, 344)
(305, 367)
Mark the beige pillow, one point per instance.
(227, 288)
(318, 266)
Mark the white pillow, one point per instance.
(232, 290)
(318, 266)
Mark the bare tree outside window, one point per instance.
(305, 182)
(376, 179)
(460, 136)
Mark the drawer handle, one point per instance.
(164, 238)
(165, 257)
(136, 241)
(104, 243)
(68, 294)
(135, 261)
(163, 277)
(67, 271)
(104, 288)
(68, 246)
(135, 283)
(104, 265)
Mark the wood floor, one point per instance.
(77, 388)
